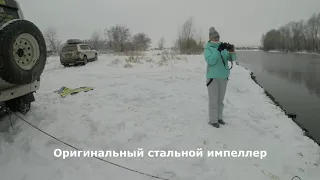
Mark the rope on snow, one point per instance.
(295, 177)
(103, 160)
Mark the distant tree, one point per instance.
(186, 42)
(52, 41)
(117, 37)
(297, 34)
(96, 40)
(284, 38)
(306, 37)
(263, 37)
(271, 40)
(129, 46)
(141, 41)
(312, 25)
(200, 40)
(161, 43)
(188, 31)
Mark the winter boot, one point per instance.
(220, 121)
(216, 125)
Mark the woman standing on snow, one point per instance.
(217, 76)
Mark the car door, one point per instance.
(92, 52)
(85, 50)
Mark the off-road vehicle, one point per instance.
(22, 58)
(77, 52)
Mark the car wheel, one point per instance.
(85, 60)
(23, 53)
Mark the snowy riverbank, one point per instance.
(300, 52)
(248, 50)
(155, 108)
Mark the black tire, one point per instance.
(85, 60)
(9, 69)
(95, 58)
(21, 104)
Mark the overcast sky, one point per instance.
(238, 21)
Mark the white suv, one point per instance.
(23, 56)
(75, 52)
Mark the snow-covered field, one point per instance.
(155, 108)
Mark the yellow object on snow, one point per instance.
(64, 91)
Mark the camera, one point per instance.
(229, 47)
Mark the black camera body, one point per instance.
(227, 46)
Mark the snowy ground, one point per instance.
(248, 50)
(275, 51)
(156, 108)
(301, 52)
(305, 52)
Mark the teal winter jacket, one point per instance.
(215, 66)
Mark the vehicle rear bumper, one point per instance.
(19, 90)
(70, 61)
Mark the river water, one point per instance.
(293, 80)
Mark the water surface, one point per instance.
(293, 80)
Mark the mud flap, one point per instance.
(28, 98)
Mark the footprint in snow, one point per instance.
(24, 177)
(137, 137)
(169, 175)
(51, 142)
(121, 126)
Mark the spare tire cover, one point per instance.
(23, 52)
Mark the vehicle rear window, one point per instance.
(84, 47)
(69, 48)
(7, 14)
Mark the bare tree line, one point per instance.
(119, 39)
(303, 35)
(116, 38)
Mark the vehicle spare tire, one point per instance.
(23, 52)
